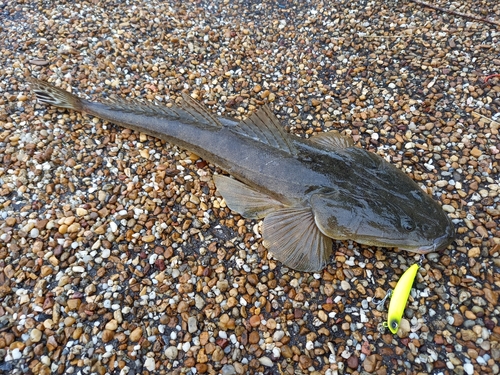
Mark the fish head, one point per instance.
(379, 205)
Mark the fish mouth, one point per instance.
(439, 243)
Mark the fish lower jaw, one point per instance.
(420, 250)
(438, 245)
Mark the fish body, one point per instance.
(309, 191)
(399, 298)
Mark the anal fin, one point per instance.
(292, 236)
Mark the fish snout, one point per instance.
(447, 238)
(440, 243)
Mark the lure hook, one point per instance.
(380, 304)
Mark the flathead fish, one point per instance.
(308, 191)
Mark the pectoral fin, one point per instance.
(244, 200)
(292, 236)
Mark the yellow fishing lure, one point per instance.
(399, 297)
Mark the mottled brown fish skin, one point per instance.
(308, 191)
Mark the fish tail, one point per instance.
(50, 95)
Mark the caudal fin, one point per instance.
(51, 95)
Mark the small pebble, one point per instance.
(171, 352)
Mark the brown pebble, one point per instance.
(476, 152)
(438, 339)
(315, 102)
(69, 321)
(286, 352)
(255, 320)
(305, 361)
(74, 303)
(77, 333)
(204, 337)
(136, 334)
(148, 238)
(10, 221)
(201, 368)
(8, 271)
(491, 296)
(112, 325)
(218, 354)
(254, 337)
(107, 335)
(253, 279)
(190, 362)
(52, 343)
(469, 335)
(372, 363)
(470, 315)
(353, 362)
(201, 357)
(386, 351)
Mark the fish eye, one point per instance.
(407, 224)
(394, 324)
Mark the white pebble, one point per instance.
(153, 258)
(192, 324)
(34, 233)
(276, 352)
(345, 285)
(480, 361)
(113, 227)
(469, 368)
(45, 360)
(265, 361)
(16, 354)
(149, 364)
(199, 302)
(448, 208)
(278, 335)
(171, 352)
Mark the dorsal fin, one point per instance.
(189, 111)
(263, 126)
(333, 141)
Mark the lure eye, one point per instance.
(407, 224)
(394, 324)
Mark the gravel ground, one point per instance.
(117, 255)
